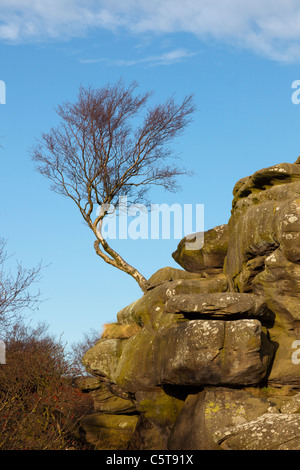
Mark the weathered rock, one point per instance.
(265, 216)
(148, 435)
(149, 310)
(276, 282)
(199, 329)
(102, 359)
(108, 402)
(208, 411)
(210, 257)
(159, 412)
(268, 432)
(262, 180)
(220, 305)
(109, 432)
(201, 286)
(141, 310)
(199, 352)
(159, 406)
(264, 252)
(171, 274)
(87, 383)
(292, 405)
(134, 371)
(214, 352)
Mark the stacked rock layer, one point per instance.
(207, 357)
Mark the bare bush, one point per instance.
(39, 406)
(16, 290)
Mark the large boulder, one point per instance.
(220, 305)
(204, 413)
(209, 258)
(108, 431)
(268, 432)
(102, 359)
(195, 353)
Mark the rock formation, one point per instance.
(207, 358)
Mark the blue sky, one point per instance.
(238, 60)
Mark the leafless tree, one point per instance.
(15, 289)
(79, 348)
(103, 149)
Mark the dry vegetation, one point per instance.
(40, 407)
(115, 330)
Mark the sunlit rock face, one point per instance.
(210, 351)
(264, 253)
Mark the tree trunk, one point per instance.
(117, 261)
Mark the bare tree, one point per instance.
(79, 348)
(15, 289)
(96, 154)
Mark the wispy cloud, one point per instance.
(268, 27)
(167, 58)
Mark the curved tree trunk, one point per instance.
(117, 261)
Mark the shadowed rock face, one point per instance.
(193, 363)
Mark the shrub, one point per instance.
(40, 407)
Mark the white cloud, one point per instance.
(267, 27)
(167, 58)
(40, 20)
